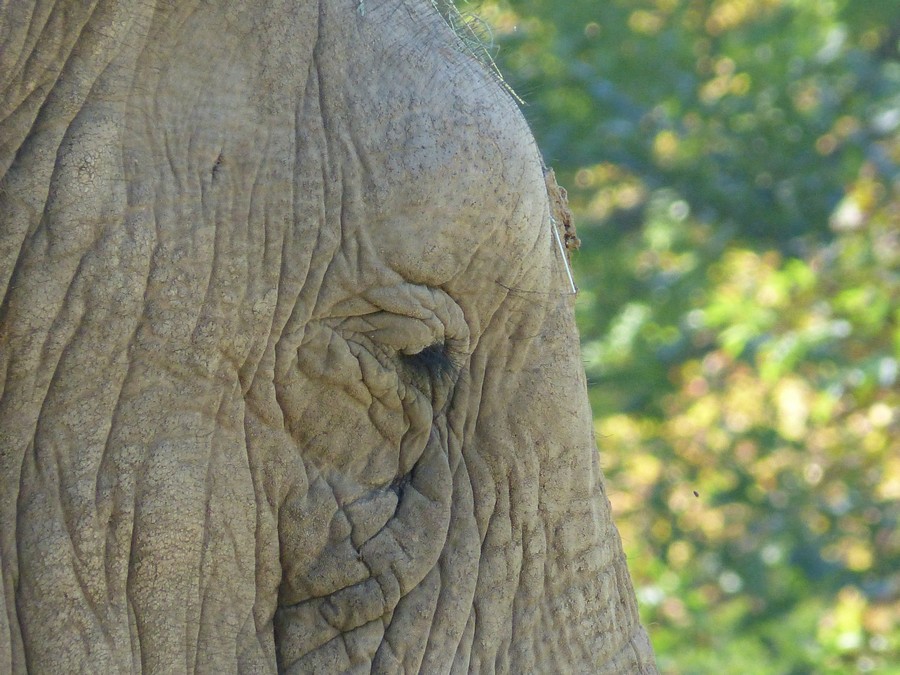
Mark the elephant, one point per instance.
(289, 374)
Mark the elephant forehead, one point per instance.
(459, 192)
(447, 165)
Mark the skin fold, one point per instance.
(289, 377)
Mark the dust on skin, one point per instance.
(560, 211)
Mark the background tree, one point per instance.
(734, 169)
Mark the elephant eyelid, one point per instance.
(436, 360)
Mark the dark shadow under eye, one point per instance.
(436, 360)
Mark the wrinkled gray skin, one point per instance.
(226, 233)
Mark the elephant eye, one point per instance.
(435, 360)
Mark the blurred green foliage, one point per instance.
(733, 165)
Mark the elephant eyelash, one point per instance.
(437, 360)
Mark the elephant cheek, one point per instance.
(369, 522)
(358, 586)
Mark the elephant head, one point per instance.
(289, 379)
